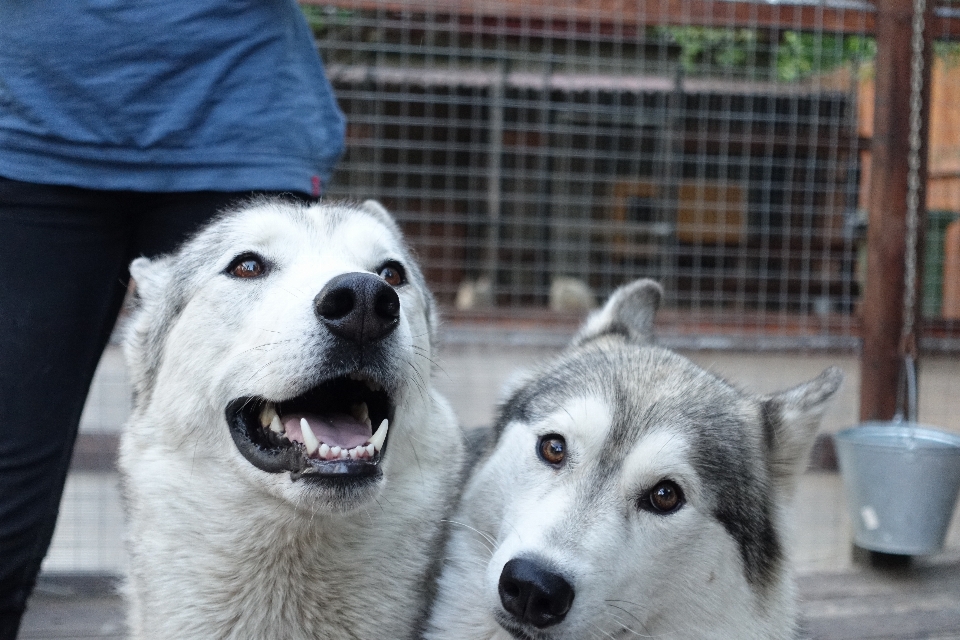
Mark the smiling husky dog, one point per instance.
(287, 465)
(629, 494)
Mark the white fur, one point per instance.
(219, 548)
(636, 573)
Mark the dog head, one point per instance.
(631, 493)
(285, 345)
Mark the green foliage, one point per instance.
(949, 52)
(708, 47)
(794, 55)
(800, 55)
(321, 18)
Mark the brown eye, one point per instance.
(393, 274)
(665, 497)
(552, 449)
(246, 266)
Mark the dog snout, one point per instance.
(533, 594)
(359, 307)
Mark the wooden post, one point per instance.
(882, 307)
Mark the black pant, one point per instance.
(64, 253)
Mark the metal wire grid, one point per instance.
(541, 157)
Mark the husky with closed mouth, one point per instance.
(629, 494)
(287, 466)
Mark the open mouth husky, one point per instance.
(287, 466)
(629, 494)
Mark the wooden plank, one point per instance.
(920, 601)
(628, 18)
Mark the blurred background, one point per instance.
(539, 154)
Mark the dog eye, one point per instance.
(665, 497)
(247, 265)
(552, 449)
(393, 274)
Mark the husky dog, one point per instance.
(288, 465)
(629, 494)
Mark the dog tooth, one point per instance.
(324, 450)
(335, 451)
(353, 453)
(308, 438)
(344, 454)
(267, 415)
(380, 436)
(275, 425)
(370, 449)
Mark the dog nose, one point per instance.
(359, 307)
(533, 594)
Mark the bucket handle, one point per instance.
(907, 391)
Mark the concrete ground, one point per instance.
(841, 599)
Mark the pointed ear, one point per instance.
(791, 419)
(380, 212)
(150, 278)
(629, 312)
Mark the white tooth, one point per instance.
(275, 425)
(344, 454)
(353, 453)
(380, 436)
(324, 450)
(370, 449)
(268, 414)
(308, 438)
(334, 452)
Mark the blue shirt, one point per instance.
(165, 95)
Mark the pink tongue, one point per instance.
(335, 429)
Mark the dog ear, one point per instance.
(150, 312)
(380, 212)
(791, 419)
(149, 277)
(629, 312)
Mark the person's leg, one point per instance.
(68, 251)
(174, 216)
(64, 253)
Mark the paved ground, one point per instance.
(890, 604)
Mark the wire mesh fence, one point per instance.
(540, 154)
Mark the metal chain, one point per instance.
(913, 178)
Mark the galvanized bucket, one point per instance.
(901, 480)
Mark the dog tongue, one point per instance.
(335, 429)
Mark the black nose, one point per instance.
(359, 307)
(533, 594)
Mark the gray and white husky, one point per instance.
(288, 465)
(629, 494)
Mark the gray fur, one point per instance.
(634, 414)
(222, 549)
